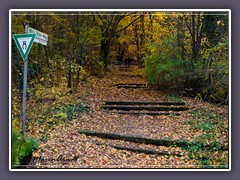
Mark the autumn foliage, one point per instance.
(90, 59)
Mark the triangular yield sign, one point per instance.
(24, 43)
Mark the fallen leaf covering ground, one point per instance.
(66, 148)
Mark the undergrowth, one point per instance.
(22, 148)
(51, 107)
(207, 146)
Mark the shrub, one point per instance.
(22, 148)
(163, 68)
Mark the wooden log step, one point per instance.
(146, 113)
(140, 150)
(144, 103)
(136, 139)
(150, 108)
(132, 86)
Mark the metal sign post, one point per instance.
(24, 43)
(24, 87)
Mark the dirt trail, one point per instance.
(69, 149)
(144, 125)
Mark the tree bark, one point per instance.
(105, 48)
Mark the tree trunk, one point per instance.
(139, 32)
(151, 27)
(105, 48)
(80, 63)
(120, 53)
(194, 55)
(197, 35)
(70, 72)
(137, 43)
(181, 37)
(70, 59)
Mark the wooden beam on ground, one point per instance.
(132, 86)
(136, 139)
(139, 84)
(147, 108)
(146, 113)
(140, 150)
(144, 103)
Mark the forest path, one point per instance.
(98, 91)
(67, 148)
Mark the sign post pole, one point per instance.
(24, 90)
(24, 43)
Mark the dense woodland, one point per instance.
(185, 52)
(180, 53)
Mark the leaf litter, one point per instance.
(66, 148)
